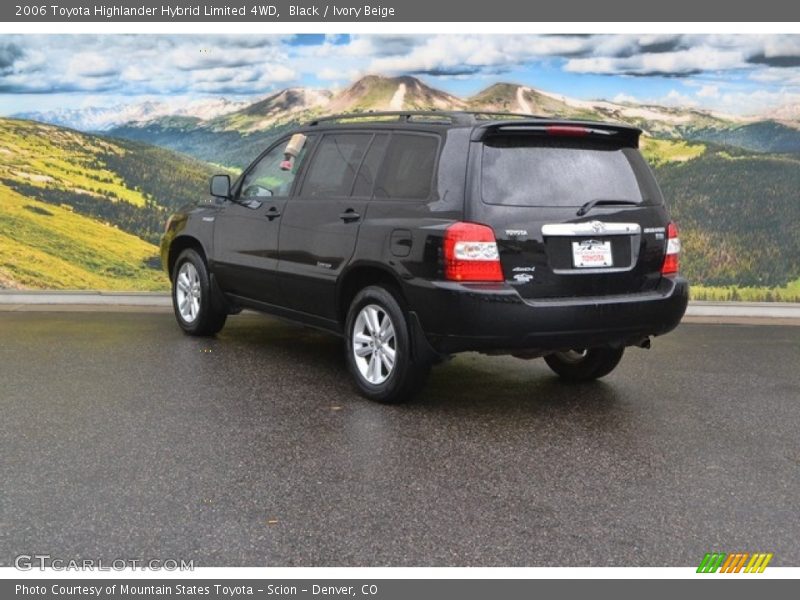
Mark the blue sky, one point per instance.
(745, 74)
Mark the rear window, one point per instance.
(526, 171)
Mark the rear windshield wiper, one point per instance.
(598, 202)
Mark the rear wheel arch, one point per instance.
(358, 277)
(379, 347)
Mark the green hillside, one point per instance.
(233, 149)
(739, 212)
(762, 136)
(51, 247)
(129, 184)
(83, 211)
(664, 152)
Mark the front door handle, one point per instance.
(273, 213)
(349, 216)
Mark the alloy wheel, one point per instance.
(187, 292)
(374, 344)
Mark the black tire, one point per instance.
(584, 365)
(407, 375)
(207, 319)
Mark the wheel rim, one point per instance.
(573, 356)
(187, 292)
(374, 344)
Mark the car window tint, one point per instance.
(408, 167)
(335, 164)
(533, 171)
(369, 168)
(273, 175)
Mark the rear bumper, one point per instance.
(460, 317)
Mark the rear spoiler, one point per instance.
(621, 134)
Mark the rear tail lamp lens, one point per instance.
(470, 253)
(671, 259)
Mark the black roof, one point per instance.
(482, 123)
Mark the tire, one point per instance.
(370, 343)
(584, 365)
(191, 296)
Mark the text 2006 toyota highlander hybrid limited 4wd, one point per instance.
(419, 235)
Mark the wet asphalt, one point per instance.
(123, 438)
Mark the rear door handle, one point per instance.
(349, 216)
(273, 213)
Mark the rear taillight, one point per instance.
(670, 266)
(470, 253)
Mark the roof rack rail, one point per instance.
(457, 117)
(497, 115)
(398, 115)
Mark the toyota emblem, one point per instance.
(597, 226)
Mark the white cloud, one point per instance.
(333, 74)
(458, 54)
(621, 98)
(681, 62)
(676, 98)
(758, 102)
(774, 46)
(708, 91)
(719, 70)
(774, 75)
(160, 65)
(90, 64)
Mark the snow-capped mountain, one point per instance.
(273, 110)
(789, 114)
(106, 118)
(170, 123)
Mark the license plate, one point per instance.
(591, 254)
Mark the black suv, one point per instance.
(417, 235)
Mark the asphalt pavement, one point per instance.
(123, 438)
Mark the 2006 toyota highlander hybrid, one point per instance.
(417, 235)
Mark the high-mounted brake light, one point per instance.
(567, 130)
(671, 259)
(470, 253)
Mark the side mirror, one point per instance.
(221, 186)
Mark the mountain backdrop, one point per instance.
(85, 208)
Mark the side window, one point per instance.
(335, 164)
(408, 167)
(275, 172)
(365, 180)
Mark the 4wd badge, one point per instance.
(523, 274)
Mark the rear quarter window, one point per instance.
(528, 171)
(408, 167)
(365, 180)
